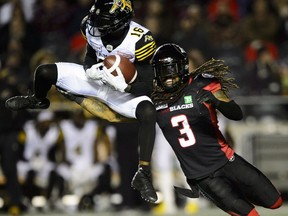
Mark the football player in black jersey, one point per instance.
(186, 105)
(109, 30)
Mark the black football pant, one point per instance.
(237, 187)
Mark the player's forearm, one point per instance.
(230, 110)
(144, 82)
(90, 58)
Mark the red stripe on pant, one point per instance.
(253, 212)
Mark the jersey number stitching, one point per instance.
(137, 31)
(185, 130)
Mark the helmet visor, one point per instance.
(167, 70)
(168, 76)
(101, 22)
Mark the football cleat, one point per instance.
(26, 102)
(142, 182)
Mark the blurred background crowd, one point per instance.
(64, 156)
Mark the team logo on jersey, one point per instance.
(188, 99)
(181, 107)
(148, 38)
(124, 5)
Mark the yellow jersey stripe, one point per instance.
(147, 53)
(141, 58)
(144, 48)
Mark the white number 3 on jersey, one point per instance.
(181, 120)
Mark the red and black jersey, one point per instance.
(192, 130)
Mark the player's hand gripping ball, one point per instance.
(116, 64)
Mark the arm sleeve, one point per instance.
(144, 51)
(144, 81)
(90, 56)
(230, 110)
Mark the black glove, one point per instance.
(207, 96)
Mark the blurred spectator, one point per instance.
(51, 21)
(223, 16)
(282, 6)
(284, 77)
(158, 14)
(6, 8)
(155, 25)
(10, 125)
(196, 58)
(223, 9)
(263, 75)
(78, 11)
(14, 67)
(87, 158)
(17, 29)
(77, 46)
(28, 6)
(251, 50)
(262, 23)
(225, 37)
(37, 164)
(193, 31)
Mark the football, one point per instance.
(119, 64)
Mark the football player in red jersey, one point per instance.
(186, 105)
(109, 30)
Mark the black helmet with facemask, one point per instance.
(108, 16)
(171, 67)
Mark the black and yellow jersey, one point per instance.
(135, 43)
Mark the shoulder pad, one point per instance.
(83, 25)
(145, 47)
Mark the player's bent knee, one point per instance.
(47, 72)
(146, 111)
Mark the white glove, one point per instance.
(96, 71)
(116, 82)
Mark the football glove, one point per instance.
(116, 82)
(207, 96)
(96, 71)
